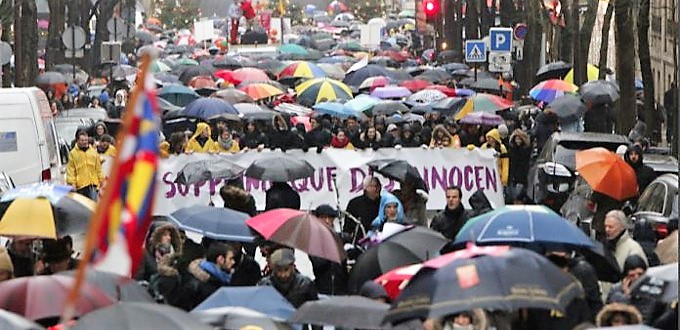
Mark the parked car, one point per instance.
(661, 164)
(552, 176)
(659, 203)
(67, 127)
(87, 113)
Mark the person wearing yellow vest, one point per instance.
(201, 140)
(84, 170)
(493, 141)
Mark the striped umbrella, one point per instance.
(549, 90)
(372, 83)
(302, 69)
(482, 102)
(322, 89)
(261, 91)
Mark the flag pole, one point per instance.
(92, 238)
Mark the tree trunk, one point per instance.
(487, 18)
(104, 13)
(508, 14)
(6, 21)
(625, 65)
(84, 22)
(578, 62)
(604, 41)
(472, 20)
(457, 29)
(525, 70)
(566, 34)
(55, 48)
(653, 131)
(26, 58)
(585, 35)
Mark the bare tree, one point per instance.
(646, 68)
(625, 64)
(55, 49)
(582, 44)
(25, 29)
(472, 20)
(604, 41)
(6, 21)
(566, 35)
(525, 70)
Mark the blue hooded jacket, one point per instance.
(387, 198)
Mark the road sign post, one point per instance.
(74, 39)
(475, 52)
(500, 39)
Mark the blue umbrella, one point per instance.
(208, 107)
(263, 299)
(362, 103)
(178, 95)
(334, 109)
(523, 225)
(214, 222)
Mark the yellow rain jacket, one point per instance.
(194, 146)
(84, 168)
(503, 159)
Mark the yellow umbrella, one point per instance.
(318, 90)
(32, 217)
(593, 73)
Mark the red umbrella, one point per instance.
(395, 280)
(248, 74)
(199, 82)
(226, 75)
(450, 92)
(415, 84)
(395, 55)
(299, 230)
(39, 297)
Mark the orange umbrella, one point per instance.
(607, 173)
(260, 91)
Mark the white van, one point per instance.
(29, 152)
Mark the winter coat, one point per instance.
(599, 119)
(576, 313)
(435, 141)
(329, 277)
(604, 317)
(84, 168)
(200, 284)
(193, 145)
(626, 246)
(318, 137)
(519, 157)
(247, 272)
(479, 321)
(388, 198)
(449, 222)
(252, 140)
(364, 209)
(415, 207)
(281, 195)
(300, 290)
(503, 161)
(229, 146)
(150, 260)
(366, 143)
(479, 203)
(644, 174)
(167, 283)
(282, 137)
(648, 307)
(587, 276)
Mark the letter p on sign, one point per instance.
(500, 39)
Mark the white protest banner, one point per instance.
(469, 169)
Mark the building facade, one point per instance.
(663, 46)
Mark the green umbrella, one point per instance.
(158, 66)
(293, 49)
(351, 46)
(185, 61)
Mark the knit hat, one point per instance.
(5, 261)
(632, 262)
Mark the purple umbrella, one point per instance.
(391, 92)
(463, 92)
(482, 118)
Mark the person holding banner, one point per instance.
(201, 140)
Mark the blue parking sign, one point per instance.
(500, 39)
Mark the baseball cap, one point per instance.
(282, 257)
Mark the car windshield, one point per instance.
(67, 129)
(565, 151)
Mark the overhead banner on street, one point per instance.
(440, 168)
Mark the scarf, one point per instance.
(215, 271)
(337, 143)
(225, 144)
(611, 243)
(455, 213)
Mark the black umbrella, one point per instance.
(411, 246)
(194, 71)
(279, 168)
(398, 75)
(568, 107)
(11, 321)
(214, 222)
(435, 75)
(517, 278)
(554, 70)
(357, 312)
(128, 316)
(449, 106)
(232, 317)
(451, 67)
(486, 84)
(116, 286)
(355, 78)
(166, 78)
(448, 56)
(208, 169)
(599, 92)
(399, 170)
(389, 108)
